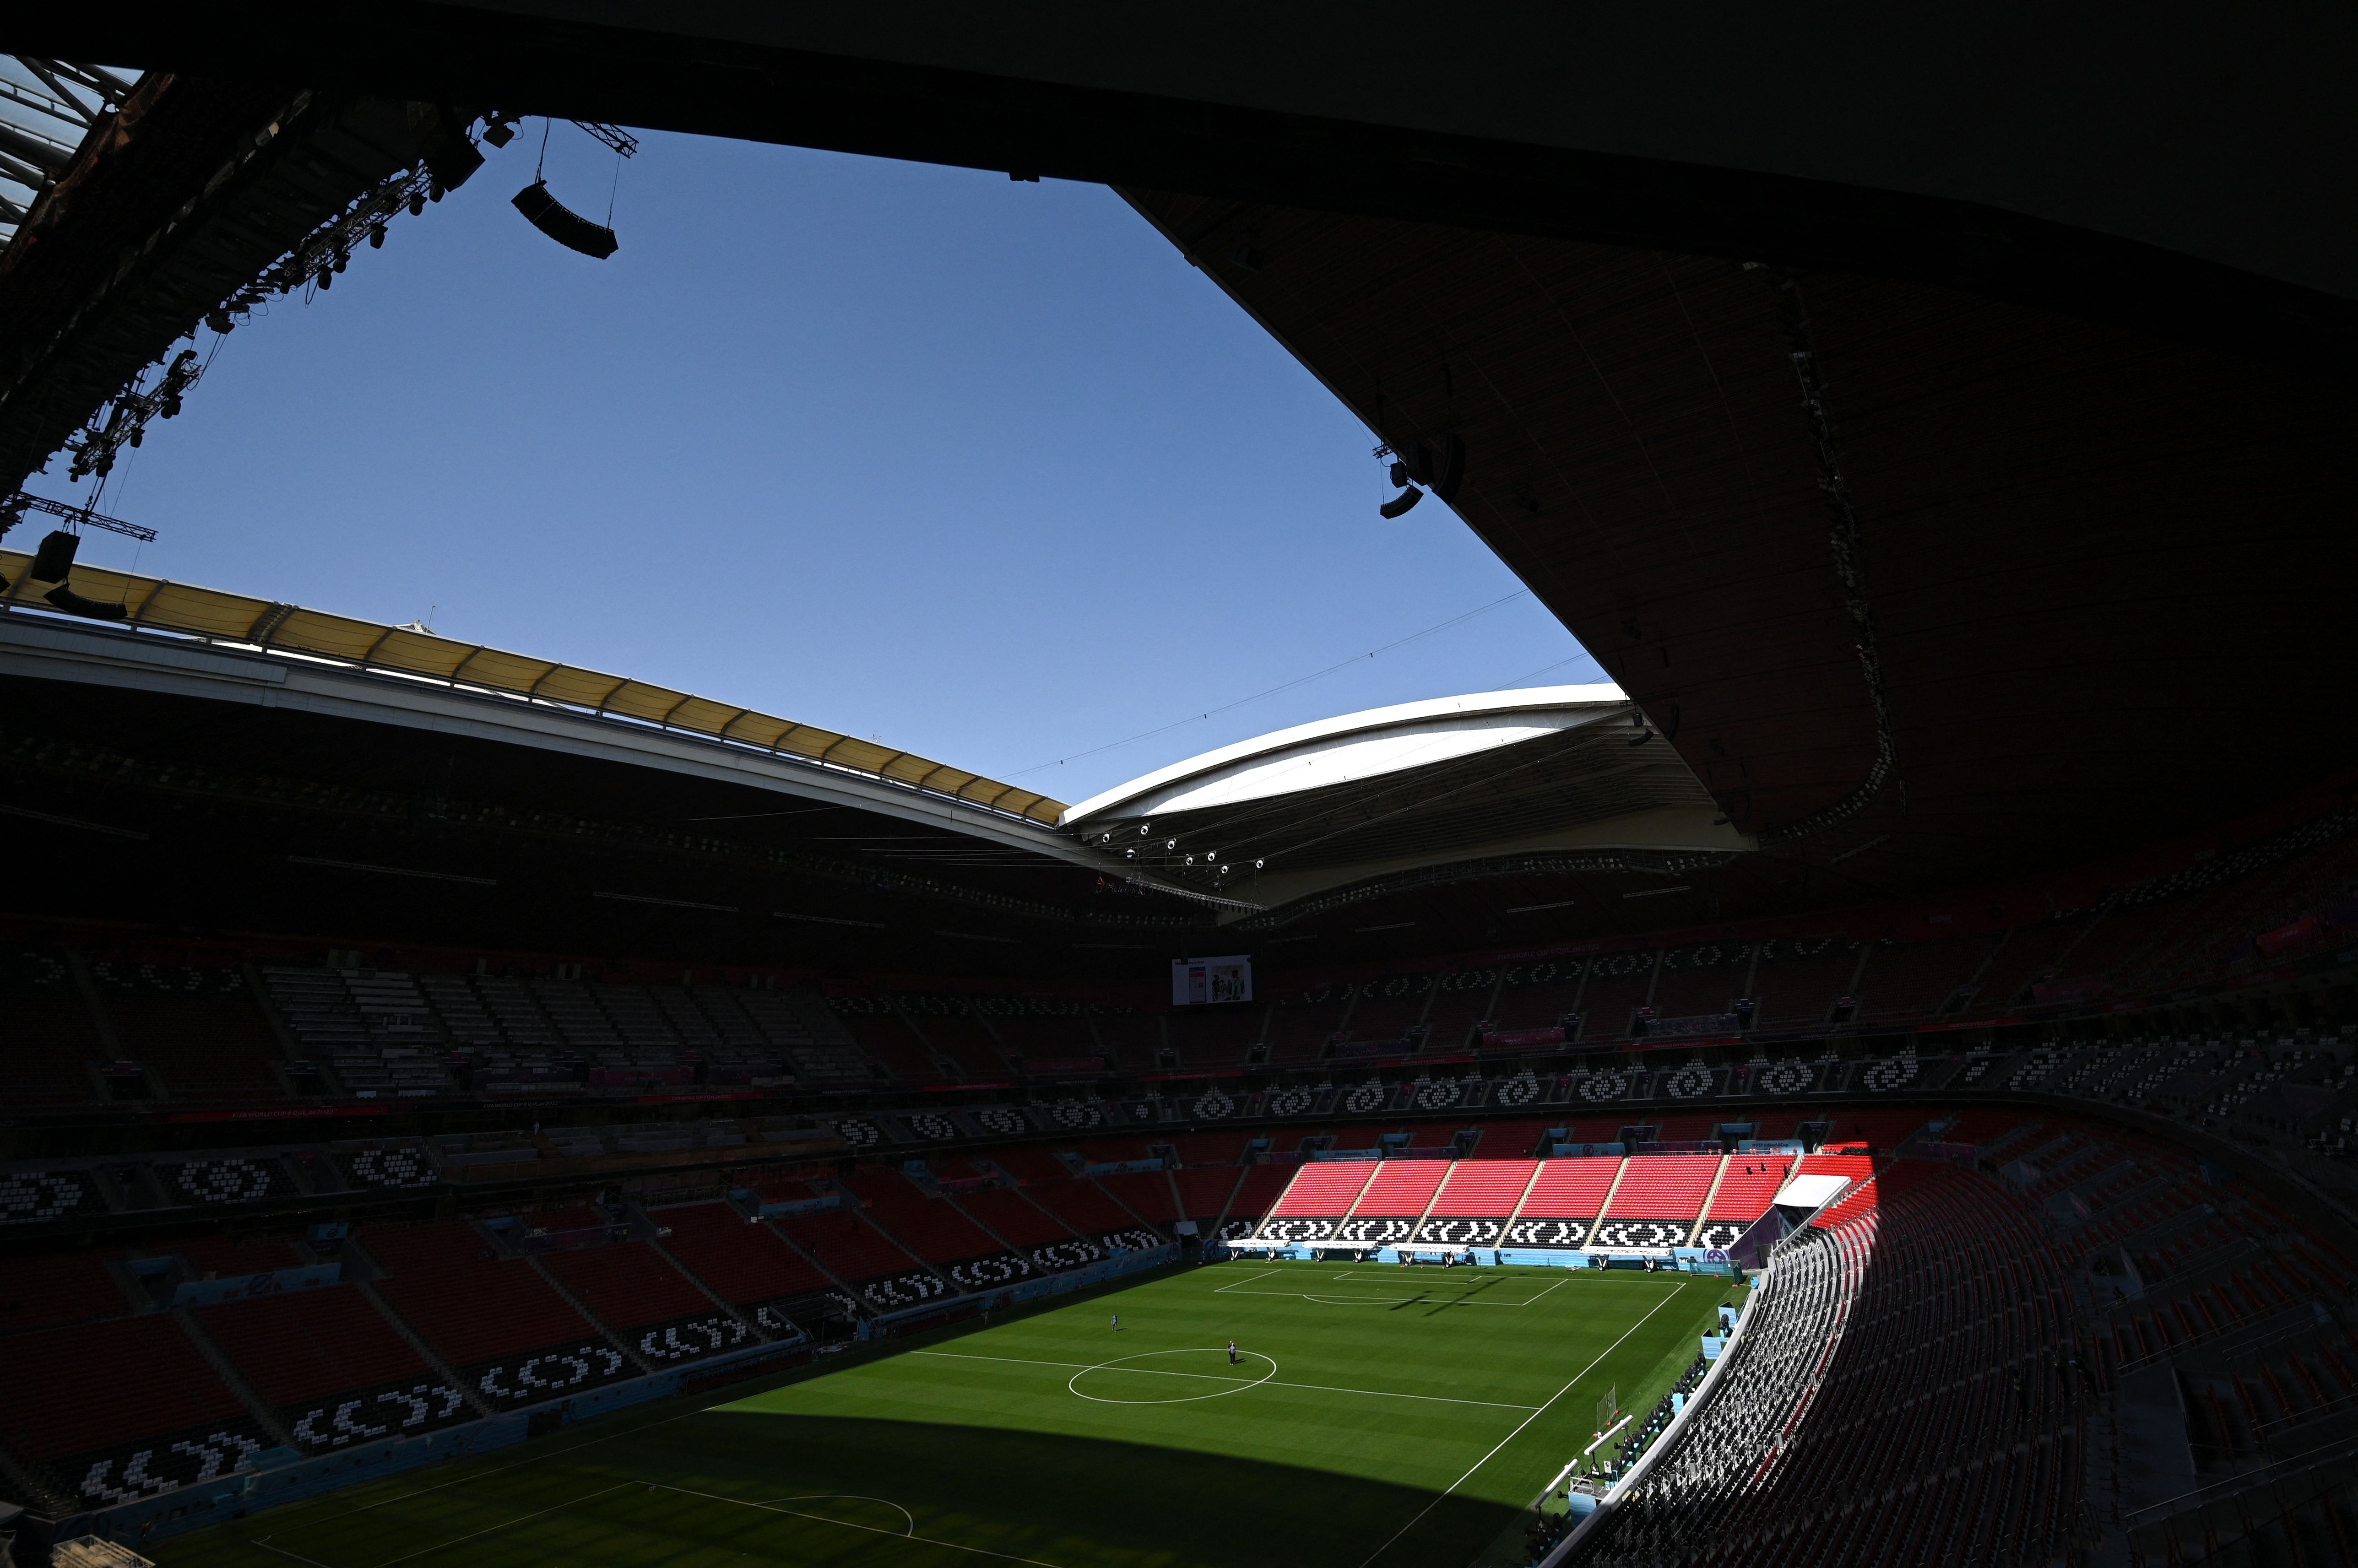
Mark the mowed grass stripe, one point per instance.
(1215, 1377)
(1409, 1425)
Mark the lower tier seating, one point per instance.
(104, 1412)
(332, 1367)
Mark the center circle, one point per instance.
(1179, 1379)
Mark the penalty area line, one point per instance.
(1527, 1421)
(870, 1529)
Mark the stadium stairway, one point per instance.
(503, 1326)
(749, 1265)
(861, 1257)
(658, 1314)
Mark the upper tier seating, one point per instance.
(50, 1044)
(200, 1029)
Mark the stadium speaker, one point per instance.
(563, 224)
(54, 565)
(1399, 504)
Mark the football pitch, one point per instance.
(1372, 1417)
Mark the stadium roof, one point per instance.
(262, 624)
(1356, 798)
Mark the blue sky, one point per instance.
(980, 468)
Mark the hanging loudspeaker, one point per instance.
(1399, 503)
(563, 224)
(54, 564)
(55, 560)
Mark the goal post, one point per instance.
(1609, 1410)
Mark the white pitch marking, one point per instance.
(1527, 1421)
(870, 1529)
(1217, 1377)
(854, 1497)
(510, 1524)
(1072, 1383)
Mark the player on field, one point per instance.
(1232, 1353)
(1117, 1322)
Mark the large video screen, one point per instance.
(1196, 981)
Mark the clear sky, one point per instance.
(980, 468)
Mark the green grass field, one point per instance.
(1377, 1418)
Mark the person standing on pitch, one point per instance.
(1117, 1322)
(1232, 1352)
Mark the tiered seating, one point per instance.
(1146, 1194)
(1859, 1197)
(1133, 1038)
(1743, 1196)
(1565, 1202)
(1317, 1198)
(1799, 978)
(1213, 1037)
(1253, 1197)
(1204, 1192)
(371, 1027)
(935, 1229)
(1394, 1201)
(67, 1287)
(1388, 1009)
(496, 1321)
(879, 1269)
(1534, 995)
(1690, 983)
(1509, 1140)
(1463, 1002)
(1658, 1201)
(1085, 1206)
(751, 1265)
(956, 1033)
(1474, 1202)
(200, 1029)
(1880, 1129)
(886, 1037)
(1618, 983)
(1914, 980)
(46, 1050)
(226, 1257)
(334, 1371)
(1042, 1242)
(1894, 1399)
(104, 1412)
(660, 1314)
(1299, 1025)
